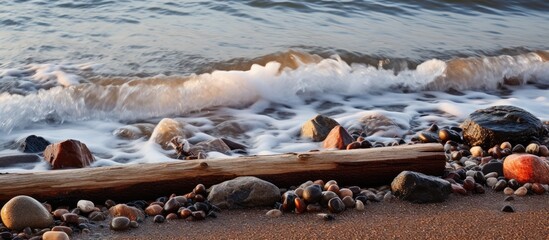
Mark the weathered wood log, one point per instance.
(148, 181)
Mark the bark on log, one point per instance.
(363, 167)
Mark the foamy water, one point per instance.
(254, 72)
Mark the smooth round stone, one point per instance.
(120, 223)
(200, 189)
(65, 229)
(171, 216)
(326, 196)
(508, 191)
(469, 183)
(288, 201)
(476, 151)
(505, 145)
(185, 213)
(159, 219)
(85, 206)
(333, 188)
(70, 218)
(538, 188)
(300, 206)
(274, 213)
(335, 205)
(172, 205)
(96, 216)
(479, 177)
(58, 213)
(532, 148)
(359, 205)
(514, 184)
(299, 192)
(491, 175)
(344, 192)
(55, 235)
(314, 207)
(349, 202)
(491, 181)
(507, 208)
(312, 193)
(500, 185)
(134, 224)
(306, 184)
(521, 191)
(199, 215)
(329, 183)
(24, 211)
(519, 148)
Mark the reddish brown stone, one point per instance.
(68, 154)
(337, 138)
(124, 210)
(526, 168)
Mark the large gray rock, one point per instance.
(494, 125)
(420, 188)
(318, 128)
(243, 192)
(24, 211)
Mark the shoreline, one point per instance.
(459, 216)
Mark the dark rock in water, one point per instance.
(216, 145)
(318, 128)
(493, 167)
(244, 192)
(11, 160)
(234, 145)
(428, 137)
(68, 154)
(498, 124)
(449, 135)
(420, 188)
(33, 144)
(337, 138)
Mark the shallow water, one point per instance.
(255, 71)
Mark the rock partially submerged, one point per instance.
(495, 125)
(318, 128)
(244, 192)
(337, 138)
(420, 188)
(33, 144)
(68, 154)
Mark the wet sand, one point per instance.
(460, 217)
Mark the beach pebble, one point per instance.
(24, 211)
(495, 166)
(58, 213)
(65, 229)
(521, 191)
(300, 206)
(120, 223)
(519, 148)
(538, 188)
(70, 218)
(274, 213)
(456, 188)
(500, 185)
(526, 168)
(244, 192)
(159, 219)
(543, 151)
(508, 208)
(153, 210)
(96, 216)
(491, 175)
(185, 213)
(312, 193)
(532, 148)
(505, 145)
(55, 235)
(359, 205)
(469, 183)
(68, 154)
(326, 196)
(349, 202)
(199, 215)
(512, 183)
(124, 210)
(288, 201)
(420, 188)
(334, 188)
(344, 192)
(299, 192)
(172, 205)
(85, 206)
(476, 151)
(335, 205)
(328, 184)
(508, 191)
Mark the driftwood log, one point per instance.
(363, 167)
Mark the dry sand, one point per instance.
(460, 217)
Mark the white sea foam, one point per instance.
(263, 107)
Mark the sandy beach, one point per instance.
(460, 217)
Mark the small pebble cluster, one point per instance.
(318, 196)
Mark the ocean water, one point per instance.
(254, 71)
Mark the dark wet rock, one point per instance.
(349, 202)
(318, 128)
(498, 124)
(288, 201)
(507, 208)
(234, 145)
(312, 193)
(14, 160)
(172, 205)
(337, 138)
(500, 185)
(493, 167)
(420, 188)
(326, 196)
(24, 211)
(215, 145)
(159, 219)
(512, 183)
(70, 218)
(68, 154)
(428, 137)
(33, 144)
(519, 148)
(336, 205)
(96, 216)
(244, 192)
(449, 135)
(526, 168)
